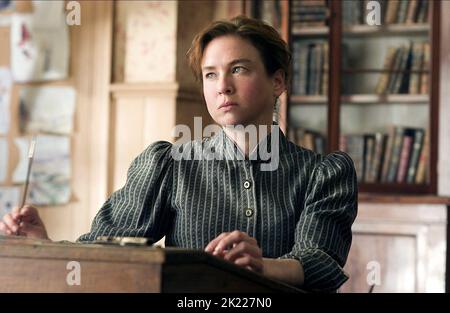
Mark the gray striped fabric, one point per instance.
(303, 210)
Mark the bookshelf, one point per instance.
(352, 81)
(400, 225)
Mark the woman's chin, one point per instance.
(229, 120)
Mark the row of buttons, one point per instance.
(248, 211)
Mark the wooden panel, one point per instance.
(407, 241)
(395, 253)
(41, 266)
(128, 120)
(50, 276)
(89, 75)
(444, 104)
(204, 278)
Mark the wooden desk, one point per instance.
(41, 266)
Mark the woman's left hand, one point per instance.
(239, 248)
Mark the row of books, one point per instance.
(310, 68)
(309, 139)
(309, 13)
(404, 11)
(392, 11)
(399, 156)
(405, 70)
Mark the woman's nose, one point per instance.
(224, 85)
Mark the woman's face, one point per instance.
(236, 86)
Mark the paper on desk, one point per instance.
(3, 159)
(40, 43)
(9, 198)
(5, 98)
(47, 109)
(51, 170)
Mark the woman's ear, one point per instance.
(279, 82)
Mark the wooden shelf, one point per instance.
(387, 99)
(376, 70)
(362, 99)
(394, 188)
(310, 31)
(309, 99)
(386, 30)
(402, 199)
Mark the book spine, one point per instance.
(415, 155)
(423, 161)
(395, 157)
(404, 158)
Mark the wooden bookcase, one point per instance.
(332, 111)
(403, 227)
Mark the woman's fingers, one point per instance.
(243, 248)
(213, 243)
(239, 248)
(235, 237)
(11, 223)
(31, 230)
(30, 214)
(4, 229)
(254, 264)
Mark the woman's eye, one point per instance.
(210, 75)
(238, 69)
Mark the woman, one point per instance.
(291, 223)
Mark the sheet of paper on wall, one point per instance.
(20, 172)
(6, 6)
(9, 198)
(5, 99)
(51, 170)
(40, 43)
(49, 14)
(47, 109)
(3, 159)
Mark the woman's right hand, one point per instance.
(23, 222)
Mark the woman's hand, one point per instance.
(23, 222)
(239, 248)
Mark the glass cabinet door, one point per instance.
(385, 92)
(308, 112)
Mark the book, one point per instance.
(415, 155)
(383, 81)
(378, 156)
(388, 153)
(410, 16)
(405, 153)
(369, 148)
(423, 161)
(391, 11)
(425, 67)
(417, 60)
(395, 154)
(402, 12)
(325, 69)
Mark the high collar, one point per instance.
(262, 151)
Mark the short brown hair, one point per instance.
(273, 49)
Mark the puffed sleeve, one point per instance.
(142, 207)
(323, 233)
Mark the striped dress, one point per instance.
(302, 210)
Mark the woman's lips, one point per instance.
(227, 106)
